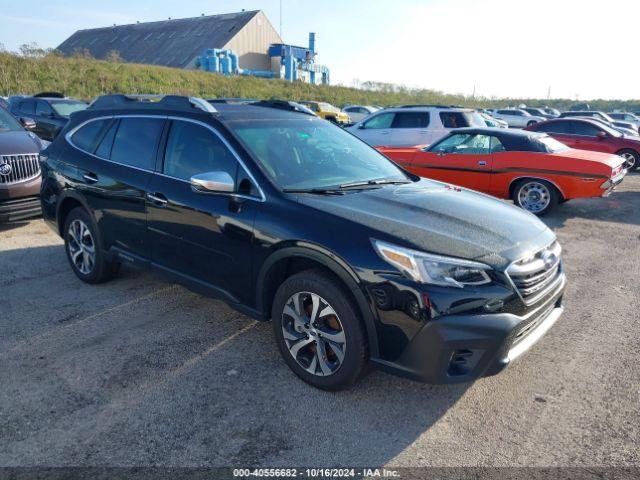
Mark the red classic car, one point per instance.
(533, 169)
(588, 134)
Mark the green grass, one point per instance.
(86, 78)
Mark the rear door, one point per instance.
(461, 159)
(113, 174)
(205, 237)
(410, 128)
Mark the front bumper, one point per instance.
(20, 200)
(19, 209)
(461, 348)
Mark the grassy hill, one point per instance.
(86, 78)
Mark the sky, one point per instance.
(498, 48)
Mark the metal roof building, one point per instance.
(178, 43)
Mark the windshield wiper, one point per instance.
(373, 183)
(318, 191)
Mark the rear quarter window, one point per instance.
(454, 120)
(87, 137)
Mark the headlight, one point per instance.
(433, 269)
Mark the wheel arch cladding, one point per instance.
(67, 203)
(287, 261)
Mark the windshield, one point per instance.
(327, 107)
(551, 145)
(8, 123)
(64, 108)
(311, 154)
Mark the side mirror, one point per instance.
(28, 123)
(213, 182)
(602, 135)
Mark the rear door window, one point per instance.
(136, 141)
(584, 129)
(411, 120)
(554, 127)
(384, 120)
(87, 137)
(193, 149)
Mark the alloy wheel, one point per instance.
(534, 197)
(82, 249)
(630, 160)
(313, 333)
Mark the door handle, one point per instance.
(157, 199)
(90, 177)
(482, 163)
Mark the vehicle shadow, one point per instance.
(137, 371)
(621, 207)
(4, 227)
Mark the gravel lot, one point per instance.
(142, 372)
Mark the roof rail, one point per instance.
(49, 95)
(176, 101)
(284, 105)
(426, 106)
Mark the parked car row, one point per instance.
(355, 258)
(290, 218)
(19, 170)
(533, 169)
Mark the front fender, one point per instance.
(337, 266)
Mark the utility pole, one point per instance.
(549, 92)
(280, 18)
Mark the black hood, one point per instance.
(433, 217)
(19, 142)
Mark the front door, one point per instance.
(376, 130)
(461, 159)
(46, 122)
(203, 236)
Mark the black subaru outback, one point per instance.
(291, 219)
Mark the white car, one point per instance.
(359, 112)
(626, 117)
(516, 117)
(412, 125)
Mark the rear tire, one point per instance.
(83, 245)
(631, 157)
(536, 196)
(319, 331)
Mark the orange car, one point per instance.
(533, 169)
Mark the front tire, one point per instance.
(83, 246)
(319, 331)
(532, 122)
(536, 196)
(632, 158)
